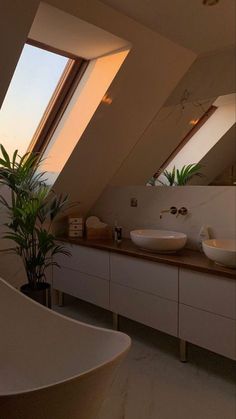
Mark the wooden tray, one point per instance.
(104, 233)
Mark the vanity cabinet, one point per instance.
(207, 311)
(86, 259)
(84, 275)
(145, 291)
(194, 306)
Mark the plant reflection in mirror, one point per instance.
(176, 177)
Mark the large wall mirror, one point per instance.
(197, 126)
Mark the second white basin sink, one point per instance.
(160, 241)
(222, 252)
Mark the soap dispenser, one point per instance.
(203, 235)
(117, 233)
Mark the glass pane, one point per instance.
(35, 79)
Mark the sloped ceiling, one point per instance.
(151, 71)
(208, 77)
(186, 22)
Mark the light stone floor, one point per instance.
(153, 384)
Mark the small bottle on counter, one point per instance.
(117, 233)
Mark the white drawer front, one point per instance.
(89, 288)
(151, 277)
(210, 331)
(208, 292)
(145, 308)
(87, 260)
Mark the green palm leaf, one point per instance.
(180, 177)
(31, 209)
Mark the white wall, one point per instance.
(213, 206)
(11, 267)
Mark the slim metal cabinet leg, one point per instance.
(48, 298)
(115, 318)
(61, 299)
(183, 350)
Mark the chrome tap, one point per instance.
(183, 211)
(175, 211)
(171, 210)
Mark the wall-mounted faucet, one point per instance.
(171, 210)
(174, 211)
(183, 211)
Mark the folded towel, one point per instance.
(94, 222)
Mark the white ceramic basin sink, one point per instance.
(160, 241)
(222, 252)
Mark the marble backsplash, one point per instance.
(213, 206)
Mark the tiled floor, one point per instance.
(153, 384)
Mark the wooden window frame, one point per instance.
(60, 99)
(186, 139)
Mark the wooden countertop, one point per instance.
(185, 258)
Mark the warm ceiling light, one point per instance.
(193, 122)
(107, 99)
(210, 2)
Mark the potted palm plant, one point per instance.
(31, 208)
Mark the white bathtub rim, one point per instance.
(76, 376)
(65, 381)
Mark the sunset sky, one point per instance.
(35, 78)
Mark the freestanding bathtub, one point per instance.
(52, 367)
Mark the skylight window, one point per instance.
(208, 131)
(36, 93)
(211, 131)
